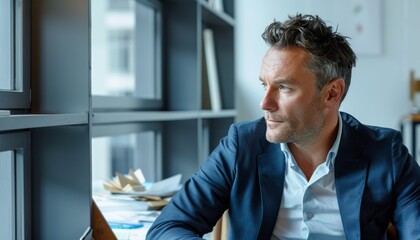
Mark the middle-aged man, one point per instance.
(305, 170)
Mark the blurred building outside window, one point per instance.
(121, 153)
(6, 45)
(125, 49)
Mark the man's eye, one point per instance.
(264, 85)
(284, 88)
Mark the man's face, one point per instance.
(292, 102)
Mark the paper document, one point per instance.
(164, 188)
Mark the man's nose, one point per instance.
(268, 102)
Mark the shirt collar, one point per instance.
(334, 149)
(331, 154)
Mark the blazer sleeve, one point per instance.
(196, 208)
(406, 175)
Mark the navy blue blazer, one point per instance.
(377, 181)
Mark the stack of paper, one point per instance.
(164, 188)
(134, 184)
(133, 187)
(122, 183)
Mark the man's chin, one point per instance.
(273, 138)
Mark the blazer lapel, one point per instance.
(271, 169)
(350, 177)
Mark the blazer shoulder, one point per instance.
(257, 126)
(368, 132)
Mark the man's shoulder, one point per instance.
(249, 129)
(257, 125)
(250, 124)
(366, 131)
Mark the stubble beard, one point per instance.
(281, 133)
(291, 131)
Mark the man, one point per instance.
(305, 171)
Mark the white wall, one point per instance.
(379, 93)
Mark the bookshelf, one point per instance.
(184, 57)
(65, 116)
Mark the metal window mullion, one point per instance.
(18, 46)
(7, 37)
(8, 227)
(20, 193)
(16, 95)
(18, 143)
(158, 54)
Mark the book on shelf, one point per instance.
(205, 94)
(210, 77)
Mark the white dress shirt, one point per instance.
(309, 209)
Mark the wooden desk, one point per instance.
(120, 211)
(102, 230)
(413, 120)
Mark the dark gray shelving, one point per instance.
(64, 117)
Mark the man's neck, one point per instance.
(310, 155)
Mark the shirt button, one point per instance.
(309, 215)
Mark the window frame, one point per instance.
(19, 96)
(110, 130)
(109, 103)
(19, 142)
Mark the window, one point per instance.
(8, 194)
(126, 54)
(115, 149)
(121, 48)
(6, 45)
(14, 186)
(119, 4)
(14, 86)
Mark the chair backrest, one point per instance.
(392, 232)
(415, 92)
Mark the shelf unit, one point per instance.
(187, 142)
(61, 121)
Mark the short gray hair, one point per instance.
(331, 54)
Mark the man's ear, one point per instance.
(334, 91)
